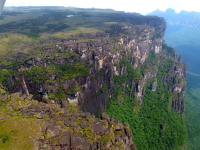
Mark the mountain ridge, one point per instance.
(184, 18)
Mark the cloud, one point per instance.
(178, 5)
(34, 3)
(141, 6)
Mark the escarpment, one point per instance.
(83, 71)
(127, 71)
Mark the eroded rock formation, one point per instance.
(63, 128)
(102, 53)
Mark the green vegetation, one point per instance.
(71, 71)
(65, 72)
(37, 73)
(16, 132)
(152, 56)
(186, 42)
(60, 94)
(192, 118)
(12, 137)
(5, 73)
(46, 27)
(155, 36)
(130, 74)
(155, 125)
(169, 51)
(51, 95)
(177, 35)
(73, 88)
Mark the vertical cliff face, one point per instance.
(103, 54)
(127, 67)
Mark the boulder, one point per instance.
(98, 128)
(15, 95)
(67, 122)
(51, 131)
(73, 120)
(82, 125)
(28, 114)
(87, 116)
(40, 115)
(79, 142)
(112, 120)
(97, 120)
(75, 114)
(94, 146)
(37, 109)
(82, 114)
(55, 142)
(104, 116)
(65, 139)
(127, 131)
(119, 125)
(54, 117)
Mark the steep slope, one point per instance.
(185, 39)
(121, 66)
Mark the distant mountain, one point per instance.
(184, 18)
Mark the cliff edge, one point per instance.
(125, 69)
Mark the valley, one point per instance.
(186, 43)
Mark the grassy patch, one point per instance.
(18, 133)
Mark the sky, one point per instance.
(140, 6)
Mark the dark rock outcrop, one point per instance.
(79, 142)
(103, 54)
(98, 128)
(69, 130)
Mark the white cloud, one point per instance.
(141, 6)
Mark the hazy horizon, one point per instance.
(142, 6)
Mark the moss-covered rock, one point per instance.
(50, 126)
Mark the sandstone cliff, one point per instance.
(70, 81)
(100, 54)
